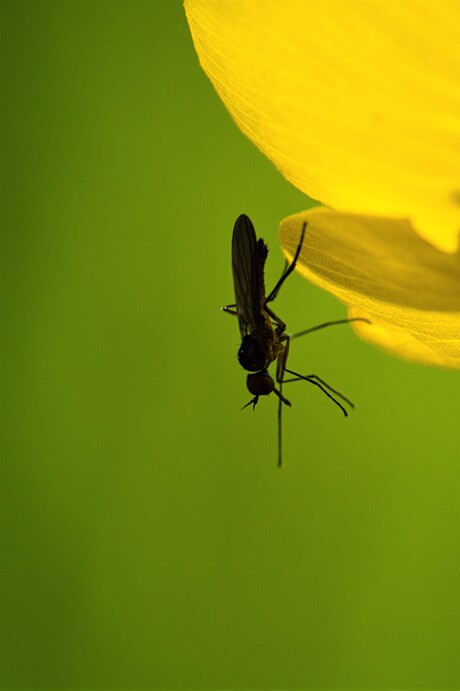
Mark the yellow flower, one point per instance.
(358, 104)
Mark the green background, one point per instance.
(148, 538)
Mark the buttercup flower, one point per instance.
(358, 104)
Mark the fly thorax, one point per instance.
(250, 354)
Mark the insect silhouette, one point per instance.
(263, 333)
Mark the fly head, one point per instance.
(260, 383)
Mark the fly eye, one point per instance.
(260, 384)
(250, 354)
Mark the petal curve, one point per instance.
(382, 269)
(357, 103)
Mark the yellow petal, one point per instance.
(383, 270)
(356, 102)
(415, 342)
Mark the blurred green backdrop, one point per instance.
(148, 538)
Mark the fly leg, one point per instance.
(230, 310)
(323, 326)
(280, 325)
(323, 384)
(325, 388)
(287, 269)
(313, 378)
(280, 368)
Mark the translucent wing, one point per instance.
(248, 260)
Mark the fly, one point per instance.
(263, 333)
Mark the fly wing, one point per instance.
(248, 259)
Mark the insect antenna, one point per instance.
(252, 402)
